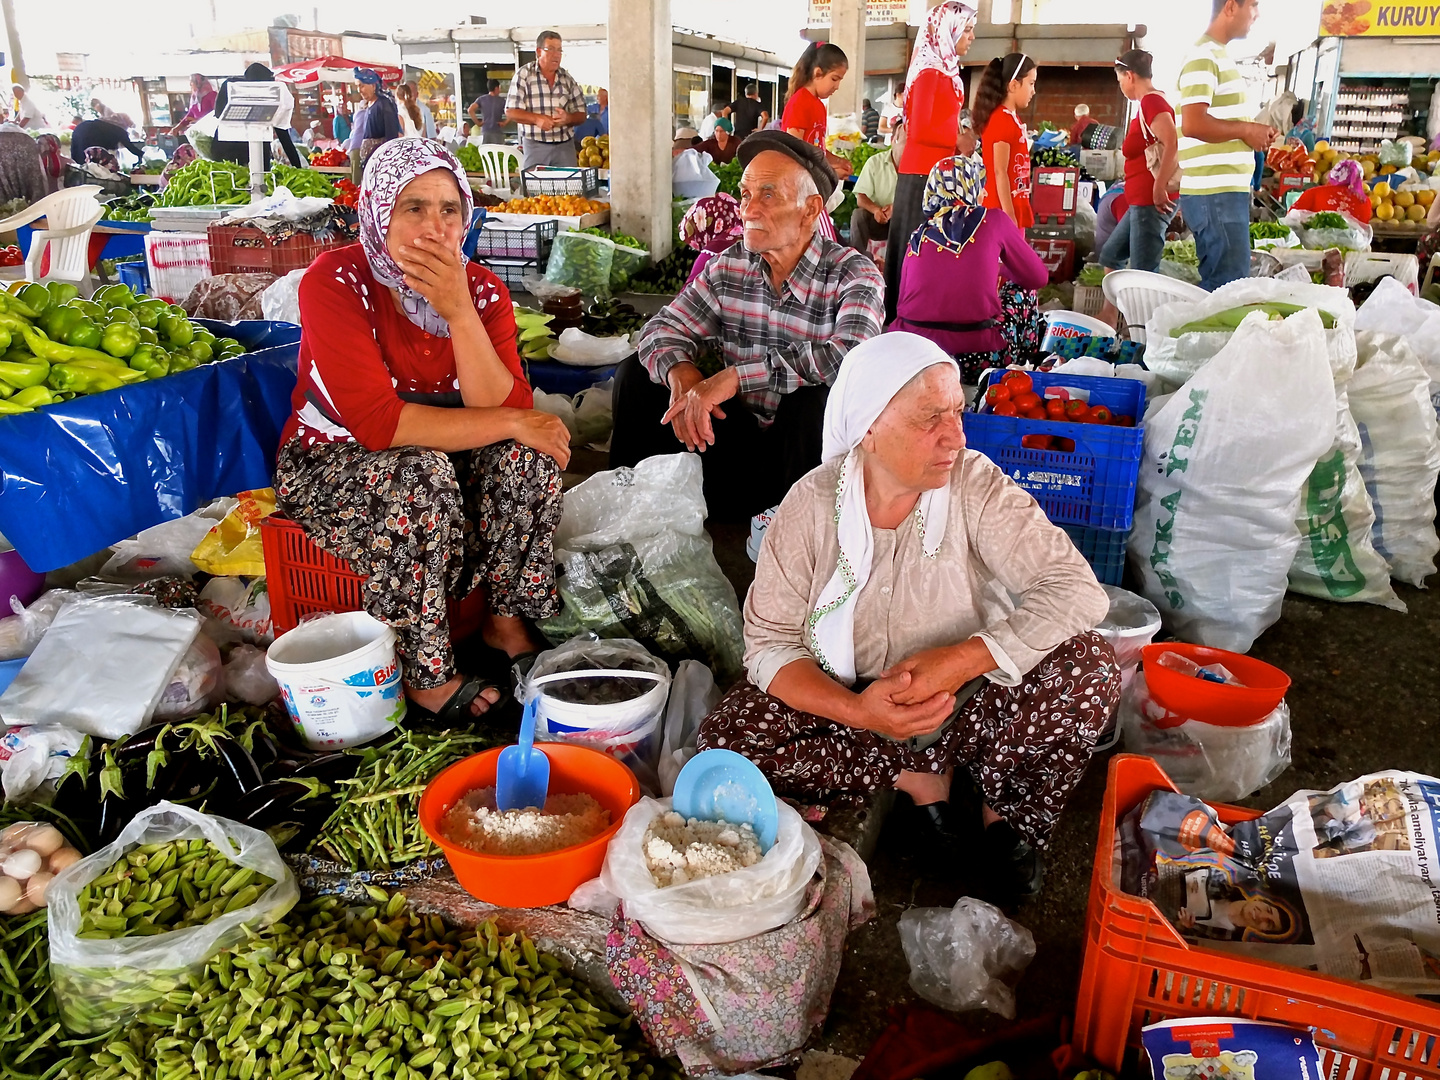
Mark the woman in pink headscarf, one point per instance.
(710, 226)
(934, 96)
(1343, 190)
(414, 453)
(202, 101)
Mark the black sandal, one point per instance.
(456, 710)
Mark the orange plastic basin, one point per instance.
(531, 880)
(1214, 703)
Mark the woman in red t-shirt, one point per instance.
(1007, 86)
(817, 75)
(414, 453)
(934, 95)
(1343, 190)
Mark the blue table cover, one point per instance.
(77, 477)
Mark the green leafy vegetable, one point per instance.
(1327, 219)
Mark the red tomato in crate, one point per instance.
(1035, 442)
(1055, 408)
(1019, 382)
(996, 394)
(1026, 401)
(1099, 414)
(1076, 410)
(1005, 408)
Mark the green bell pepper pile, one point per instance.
(54, 345)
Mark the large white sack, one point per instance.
(1400, 452)
(1220, 481)
(1392, 310)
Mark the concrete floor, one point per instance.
(1365, 696)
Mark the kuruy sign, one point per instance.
(1376, 18)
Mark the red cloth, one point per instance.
(806, 112)
(932, 122)
(1077, 129)
(1139, 180)
(358, 353)
(1331, 197)
(1004, 127)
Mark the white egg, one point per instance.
(46, 839)
(10, 892)
(22, 864)
(36, 886)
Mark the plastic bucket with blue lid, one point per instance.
(1071, 324)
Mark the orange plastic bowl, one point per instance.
(531, 880)
(1214, 703)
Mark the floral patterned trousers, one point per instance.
(422, 526)
(1025, 746)
(1020, 325)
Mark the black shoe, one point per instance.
(1018, 866)
(944, 820)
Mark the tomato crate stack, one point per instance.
(241, 249)
(1089, 490)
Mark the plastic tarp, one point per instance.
(77, 477)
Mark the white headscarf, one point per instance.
(935, 47)
(870, 376)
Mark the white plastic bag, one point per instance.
(1131, 623)
(693, 695)
(236, 610)
(558, 405)
(21, 632)
(579, 349)
(1220, 480)
(1398, 153)
(1392, 310)
(1356, 236)
(196, 684)
(280, 302)
(101, 667)
(30, 756)
(247, 678)
(103, 983)
(966, 957)
(594, 414)
(164, 550)
(712, 910)
(1205, 760)
(1400, 452)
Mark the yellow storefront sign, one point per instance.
(1380, 18)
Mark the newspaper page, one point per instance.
(1344, 882)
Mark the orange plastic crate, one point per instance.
(240, 249)
(1138, 970)
(303, 580)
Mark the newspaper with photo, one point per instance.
(1345, 882)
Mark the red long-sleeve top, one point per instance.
(359, 354)
(932, 121)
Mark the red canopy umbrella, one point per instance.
(333, 69)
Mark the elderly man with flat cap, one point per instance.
(779, 311)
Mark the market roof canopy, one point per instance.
(333, 69)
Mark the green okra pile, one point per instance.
(158, 888)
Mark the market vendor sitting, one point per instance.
(882, 644)
(414, 453)
(777, 314)
(1343, 190)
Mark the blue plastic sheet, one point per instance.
(77, 477)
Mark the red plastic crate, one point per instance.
(1138, 970)
(239, 249)
(1053, 192)
(301, 580)
(1057, 255)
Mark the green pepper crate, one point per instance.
(239, 249)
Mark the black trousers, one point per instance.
(749, 469)
(906, 215)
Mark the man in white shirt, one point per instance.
(27, 112)
(707, 126)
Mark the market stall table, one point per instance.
(77, 477)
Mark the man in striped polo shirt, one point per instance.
(1217, 147)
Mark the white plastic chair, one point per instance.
(1138, 293)
(70, 215)
(495, 159)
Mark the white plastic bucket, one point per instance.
(1069, 324)
(340, 678)
(620, 729)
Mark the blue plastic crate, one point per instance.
(1093, 485)
(136, 275)
(1104, 550)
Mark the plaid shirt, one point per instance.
(832, 301)
(530, 91)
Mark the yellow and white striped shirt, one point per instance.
(1209, 77)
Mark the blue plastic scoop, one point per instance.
(721, 784)
(522, 773)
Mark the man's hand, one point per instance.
(682, 377)
(546, 123)
(942, 670)
(1259, 136)
(690, 412)
(879, 710)
(560, 116)
(438, 274)
(882, 215)
(543, 432)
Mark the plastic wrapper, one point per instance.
(236, 610)
(581, 261)
(1219, 485)
(164, 550)
(1392, 310)
(1398, 153)
(1400, 452)
(196, 684)
(636, 562)
(232, 548)
(30, 756)
(595, 413)
(966, 957)
(579, 349)
(1208, 761)
(247, 678)
(101, 668)
(103, 983)
(281, 301)
(626, 264)
(712, 910)
(21, 632)
(1129, 626)
(1354, 237)
(693, 695)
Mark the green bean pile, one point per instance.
(162, 887)
(375, 993)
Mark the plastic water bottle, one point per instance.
(1215, 673)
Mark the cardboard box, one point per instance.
(1104, 165)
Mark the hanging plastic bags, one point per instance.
(1224, 462)
(966, 957)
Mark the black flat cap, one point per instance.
(811, 157)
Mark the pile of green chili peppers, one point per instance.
(207, 183)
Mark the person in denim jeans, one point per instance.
(1218, 140)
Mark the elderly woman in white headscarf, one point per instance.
(914, 615)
